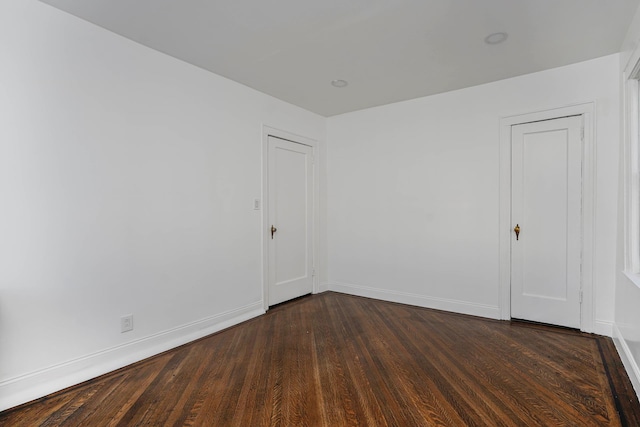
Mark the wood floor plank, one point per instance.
(339, 360)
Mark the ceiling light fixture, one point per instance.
(339, 83)
(496, 38)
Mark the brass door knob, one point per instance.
(273, 230)
(517, 230)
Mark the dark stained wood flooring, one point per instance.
(338, 360)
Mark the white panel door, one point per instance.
(290, 220)
(546, 206)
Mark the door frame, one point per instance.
(587, 111)
(267, 132)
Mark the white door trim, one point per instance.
(587, 111)
(265, 234)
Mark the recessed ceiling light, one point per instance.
(495, 38)
(339, 83)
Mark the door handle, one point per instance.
(273, 230)
(517, 230)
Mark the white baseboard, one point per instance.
(456, 306)
(630, 364)
(323, 287)
(603, 327)
(31, 386)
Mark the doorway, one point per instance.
(290, 200)
(546, 195)
(546, 217)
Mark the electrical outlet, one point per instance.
(126, 323)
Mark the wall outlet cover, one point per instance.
(126, 323)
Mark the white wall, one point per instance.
(627, 302)
(127, 181)
(414, 190)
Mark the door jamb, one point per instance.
(587, 111)
(268, 131)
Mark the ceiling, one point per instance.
(387, 50)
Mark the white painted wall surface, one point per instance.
(627, 301)
(627, 327)
(127, 181)
(414, 187)
(631, 40)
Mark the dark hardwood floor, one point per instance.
(338, 360)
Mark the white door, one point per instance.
(290, 202)
(546, 207)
